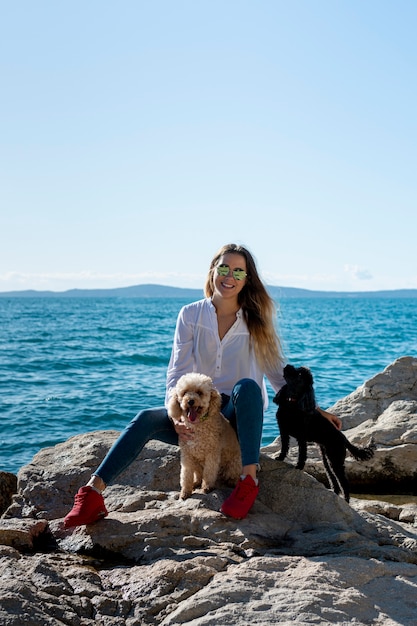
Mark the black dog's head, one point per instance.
(299, 379)
(299, 387)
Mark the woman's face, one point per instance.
(227, 284)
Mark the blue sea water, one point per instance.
(72, 365)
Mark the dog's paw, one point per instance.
(281, 457)
(300, 466)
(184, 494)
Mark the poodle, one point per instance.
(298, 417)
(214, 451)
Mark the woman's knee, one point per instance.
(148, 420)
(247, 387)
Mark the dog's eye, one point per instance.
(199, 392)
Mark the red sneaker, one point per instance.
(241, 499)
(88, 508)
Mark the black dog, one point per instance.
(298, 417)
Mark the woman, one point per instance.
(230, 336)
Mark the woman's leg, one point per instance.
(245, 412)
(149, 424)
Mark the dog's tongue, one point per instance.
(192, 414)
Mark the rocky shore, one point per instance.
(302, 556)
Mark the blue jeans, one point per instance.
(244, 410)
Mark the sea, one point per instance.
(82, 364)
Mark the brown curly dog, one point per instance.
(213, 452)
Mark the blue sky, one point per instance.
(138, 137)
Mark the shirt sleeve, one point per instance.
(182, 355)
(276, 377)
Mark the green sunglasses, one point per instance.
(224, 269)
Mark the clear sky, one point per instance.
(139, 136)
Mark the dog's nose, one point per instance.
(191, 402)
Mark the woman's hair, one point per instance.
(257, 305)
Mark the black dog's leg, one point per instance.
(337, 462)
(302, 453)
(341, 476)
(285, 445)
(331, 475)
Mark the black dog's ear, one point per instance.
(308, 402)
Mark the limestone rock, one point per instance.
(398, 382)
(22, 534)
(58, 589)
(303, 555)
(8, 487)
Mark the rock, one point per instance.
(303, 591)
(8, 487)
(404, 513)
(22, 534)
(303, 555)
(398, 382)
(384, 409)
(68, 589)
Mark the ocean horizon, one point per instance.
(153, 290)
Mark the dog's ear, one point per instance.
(306, 396)
(308, 402)
(215, 401)
(174, 409)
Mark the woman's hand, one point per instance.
(184, 432)
(336, 421)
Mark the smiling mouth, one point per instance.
(192, 413)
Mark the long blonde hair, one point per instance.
(257, 305)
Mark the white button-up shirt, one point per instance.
(197, 348)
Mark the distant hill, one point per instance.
(164, 291)
(293, 292)
(136, 291)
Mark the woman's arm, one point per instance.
(336, 421)
(276, 377)
(182, 357)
